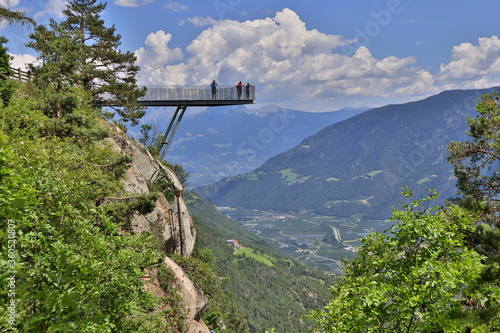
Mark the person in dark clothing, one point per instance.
(247, 90)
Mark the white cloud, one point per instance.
(176, 7)
(287, 61)
(472, 65)
(199, 21)
(158, 53)
(12, 4)
(266, 51)
(132, 3)
(20, 60)
(53, 7)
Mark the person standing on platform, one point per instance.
(213, 85)
(239, 88)
(247, 90)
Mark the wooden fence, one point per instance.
(21, 75)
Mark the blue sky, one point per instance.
(307, 55)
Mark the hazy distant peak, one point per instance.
(266, 109)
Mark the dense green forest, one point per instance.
(271, 289)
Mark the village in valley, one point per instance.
(322, 241)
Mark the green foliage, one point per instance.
(58, 75)
(198, 271)
(121, 125)
(70, 264)
(66, 110)
(7, 86)
(476, 166)
(172, 316)
(163, 184)
(477, 169)
(181, 174)
(409, 279)
(264, 296)
(74, 267)
(207, 256)
(152, 139)
(14, 16)
(106, 72)
(81, 51)
(120, 211)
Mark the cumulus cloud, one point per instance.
(158, 52)
(287, 61)
(21, 60)
(473, 65)
(281, 56)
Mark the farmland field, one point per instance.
(303, 235)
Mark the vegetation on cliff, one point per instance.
(69, 262)
(271, 289)
(436, 269)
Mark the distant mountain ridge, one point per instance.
(358, 166)
(227, 141)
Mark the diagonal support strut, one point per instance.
(175, 120)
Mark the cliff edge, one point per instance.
(169, 221)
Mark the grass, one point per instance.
(427, 179)
(289, 176)
(260, 257)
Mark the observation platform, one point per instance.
(184, 96)
(200, 96)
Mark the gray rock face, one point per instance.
(170, 222)
(193, 300)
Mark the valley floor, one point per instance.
(304, 236)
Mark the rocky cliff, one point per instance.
(169, 221)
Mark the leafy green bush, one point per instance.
(74, 268)
(409, 279)
(163, 184)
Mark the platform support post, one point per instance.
(175, 120)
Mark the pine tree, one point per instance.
(7, 86)
(59, 70)
(106, 72)
(57, 84)
(14, 17)
(81, 51)
(477, 168)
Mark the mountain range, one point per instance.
(357, 167)
(226, 141)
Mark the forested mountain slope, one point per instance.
(270, 288)
(358, 166)
(227, 141)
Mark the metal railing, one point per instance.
(169, 93)
(197, 93)
(20, 75)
